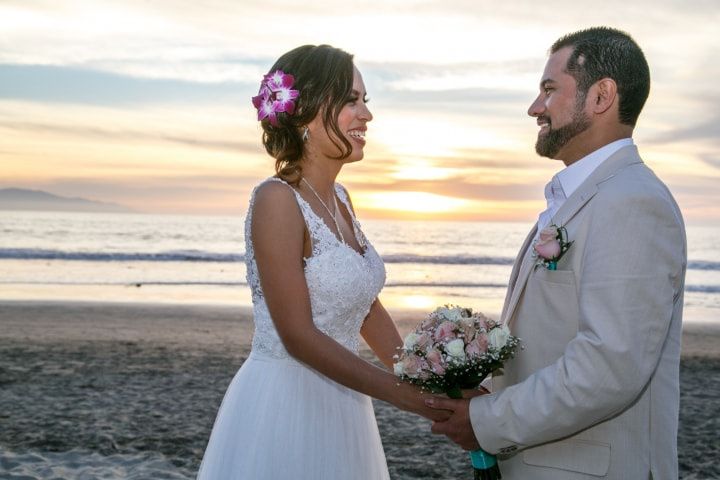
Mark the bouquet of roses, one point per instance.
(455, 349)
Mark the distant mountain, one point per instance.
(21, 199)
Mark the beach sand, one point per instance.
(107, 390)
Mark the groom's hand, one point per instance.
(475, 392)
(458, 427)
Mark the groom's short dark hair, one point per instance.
(603, 52)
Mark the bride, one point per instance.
(299, 407)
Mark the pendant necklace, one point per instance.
(332, 215)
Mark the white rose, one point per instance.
(498, 337)
(398, 369)
(456, 349)
(455, 314)
(411, 341)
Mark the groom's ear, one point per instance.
(603, 95)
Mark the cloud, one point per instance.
(470, 188)
(468, 101)
(708, 131)
(469, 162)
(50, 84)
(86, 132)
(500, 159)
(711, 159)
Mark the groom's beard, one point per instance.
(549, 144)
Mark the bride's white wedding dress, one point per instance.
(280, 419)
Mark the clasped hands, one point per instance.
(457, 427)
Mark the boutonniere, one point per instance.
(550, 246)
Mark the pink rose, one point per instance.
(468, 328)
(489, 323)
(430, 323)
(423, 341)
(548, 246)
(478, 346)
(412, 365)
(446, 331)
(435, 361)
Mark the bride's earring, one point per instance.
(306, 134)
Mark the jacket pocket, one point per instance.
(560, 277)
(582, 456)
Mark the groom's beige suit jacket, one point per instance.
(595, 392)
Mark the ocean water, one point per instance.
(165, 258)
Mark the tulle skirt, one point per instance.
(283, 420)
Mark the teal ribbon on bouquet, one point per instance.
(484, 464)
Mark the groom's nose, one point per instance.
(537, 107)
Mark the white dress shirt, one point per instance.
(567, 180)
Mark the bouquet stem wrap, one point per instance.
(484, 464)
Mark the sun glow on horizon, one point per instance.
(419, 302)
(421, 169)
(415, 202)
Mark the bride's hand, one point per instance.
(412, 399)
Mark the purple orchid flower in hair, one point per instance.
(275, 96)
(284, 100)
(279, 80)
(265, 106)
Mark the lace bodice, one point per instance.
(342, 283)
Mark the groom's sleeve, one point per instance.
(631, 274)
(487, 384)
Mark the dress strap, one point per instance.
(357, 230)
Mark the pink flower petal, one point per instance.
(266, 110)
(548, 245)
(258, 101)
(279, 80)
(286, 94)
(262, 97)
(286, 106)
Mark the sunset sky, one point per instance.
(147, 103)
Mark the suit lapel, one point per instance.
(528, 260)
(511, 296)
(574, 204)
(622, 158)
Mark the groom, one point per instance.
(595, 392)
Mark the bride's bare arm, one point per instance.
(381, 335)
(277, 237)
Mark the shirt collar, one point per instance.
(572, 176)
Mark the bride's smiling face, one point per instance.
(352, 122)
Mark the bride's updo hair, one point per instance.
(324, 78)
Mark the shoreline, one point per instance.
(190, 323)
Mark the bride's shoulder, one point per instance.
(273, 187)
(274, 216)
(274, 194)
